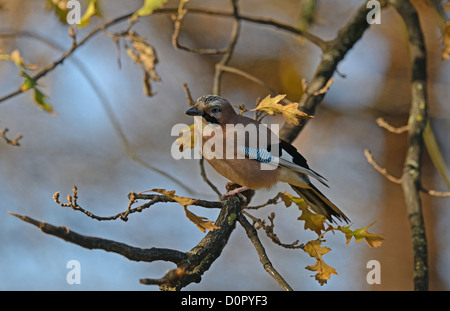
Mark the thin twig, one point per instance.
(396, 130)
(206, 179)
(271, 201)
(176, 33)
(189, 98)
(334, 52)
(230, 49)
(72, 202)
(268, 229)
(314, 39)
(14, 141)
(435, 193)
(267, 264)
(246, 75)
(380, 169)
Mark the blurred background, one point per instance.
(79, 146)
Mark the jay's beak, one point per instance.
(194, 112)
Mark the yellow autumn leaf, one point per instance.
(201, 222)
(314, 249)
(373, 240)
(18, 60)
(148, 7)
(180, 5)
(171, 194)
(314, 222)
(91, 10)
(324, 271)
(290, 111)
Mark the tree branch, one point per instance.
(418, 118)
(14, 141)
(267, 264)
(130, 252)
(334, 52)
(230, 49)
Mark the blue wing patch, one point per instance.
(260, 155)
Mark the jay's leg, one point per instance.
(237, 192)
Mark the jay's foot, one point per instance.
(237, 192)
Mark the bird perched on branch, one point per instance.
(252, 156)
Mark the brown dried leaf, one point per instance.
(290, 111)
(202, 223)
(171, 194)
(144, 55)
(324, 271)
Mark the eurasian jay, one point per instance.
(244, 167)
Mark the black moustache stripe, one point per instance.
(209, 119)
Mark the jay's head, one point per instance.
(214, 109)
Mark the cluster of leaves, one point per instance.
(314, 248)
(312, 221)
(29, 82)
(144, 55)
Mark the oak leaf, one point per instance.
(171, 194)
(373, 240)
(201, 222)
(324, 271)
(314, 222)
(290, 111)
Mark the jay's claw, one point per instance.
(237, 192)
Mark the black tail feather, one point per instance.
(319, 203)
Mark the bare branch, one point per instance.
(396, 130)
(380, 169)
(190, 265)
(271, 201)
(230, 49)
(133, 197)
(268, 229)
(206, 179)
(130, 252)
(189, 98)
(435, 193)
(333, 53)
(267, 264)
(176, 33)
(14, 141)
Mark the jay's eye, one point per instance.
(215, 109)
